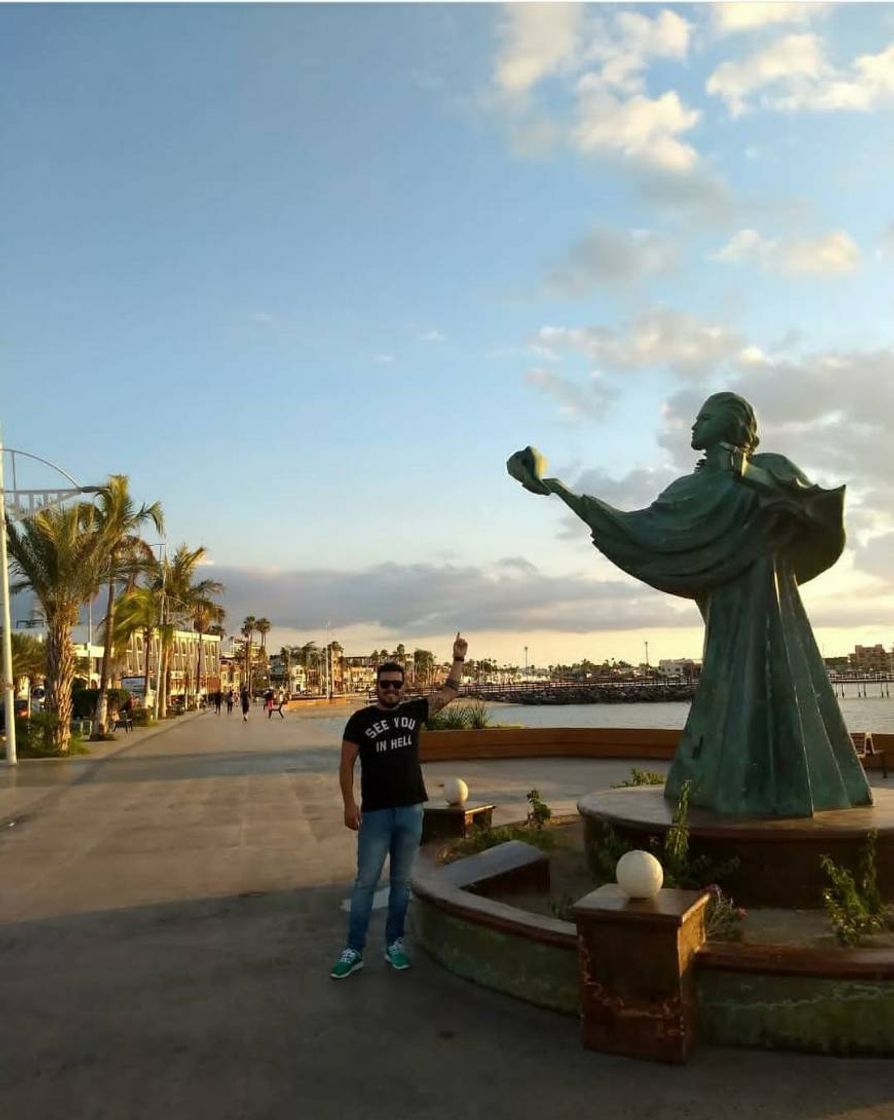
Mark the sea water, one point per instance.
(866, 713)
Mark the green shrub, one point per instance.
(34, 737)
(484, 838)
(723, 919)
(460, 717)
(854, 904)
(540, 812)
(642, 778)
(605, 854)
(83, 701)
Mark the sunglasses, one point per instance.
(396, 685)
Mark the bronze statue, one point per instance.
(765, 736)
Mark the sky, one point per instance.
(309, 274)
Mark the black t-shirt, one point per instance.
(390, 775)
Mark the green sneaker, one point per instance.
(350, 961)
(396, 956)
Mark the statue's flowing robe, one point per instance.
(765, 735)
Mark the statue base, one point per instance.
(778, 859)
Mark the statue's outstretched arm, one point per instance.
(527, 467)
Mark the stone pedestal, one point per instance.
(637, 979)
(447, 822)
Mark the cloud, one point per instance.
(537, 40)
(432, 336)
(575, 399)
(794, 74)
(422, 599)
(832, 254)
(635, 490)
(886, 243)
(788, 60)
(660, 338)
(623, 42)
(383, 359)
(610, 258)
(640, 128)
(829, 412)
(728, 19)
(598, 58)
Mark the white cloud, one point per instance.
(538, 40)
(610, 257)
(624, 42)
(383, 359)
(832, 254)
(641, 128)
(414, 599)
(793, 74)
(657, 339)
(730, 18)
(432, 336)
(575, 399)
(886, 243)
(600, 57)
(785, 62)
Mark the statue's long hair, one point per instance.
(741, 423)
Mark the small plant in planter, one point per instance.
(854, 904)
(540, 812)
(642, 778)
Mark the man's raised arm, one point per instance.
(450, 688)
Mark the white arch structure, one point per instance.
(20, 505)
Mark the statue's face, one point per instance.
(711, 426)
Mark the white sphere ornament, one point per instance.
(456, 792)
(639, 874)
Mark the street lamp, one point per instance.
(22, 504)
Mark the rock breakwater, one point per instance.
(587, 694)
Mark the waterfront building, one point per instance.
(871, 659)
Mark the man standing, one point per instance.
(389, 822)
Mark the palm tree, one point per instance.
(119, 522)
(205, 614)
(248, 628)
(263, 628)
(59, 554)
(192, 599)
(138, 609)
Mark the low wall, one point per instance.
(825, 1001)
(549, 742)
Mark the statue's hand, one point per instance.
(527, 467)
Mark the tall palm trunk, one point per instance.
(101, 715)
(199, 665)
(60, 674)
(147, 638)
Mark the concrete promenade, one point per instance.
(170, 908)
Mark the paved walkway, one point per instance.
(168, 915)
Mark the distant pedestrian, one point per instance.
(283, 700)
(245, 700)
(268, 705)
(218, 701)
(231, 700)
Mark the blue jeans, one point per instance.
(384, 832)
